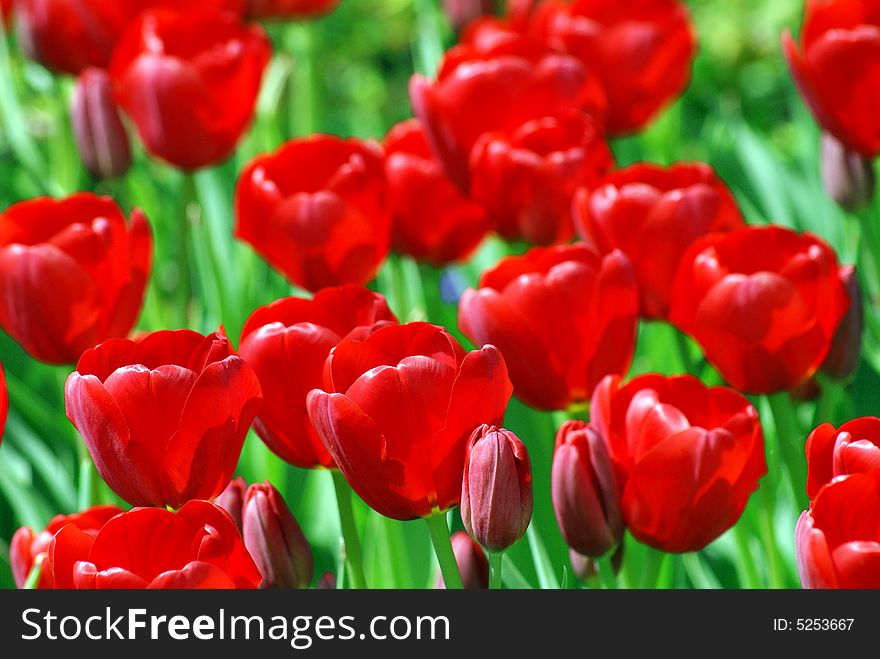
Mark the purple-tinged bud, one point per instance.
(473, 564)
(843, 356)
(327, 581)
(275, 540)
(584, 491)
(232, 499)
(462, 12)
(848, 176)
(496, 490)
(586, 568)
(100, 136)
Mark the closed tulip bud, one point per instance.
(585, 494)
(275, 540)
(847, 175)
(232, 499)
(100, 136)
(496, 491)
(843, 356)
(473, 564)
(462, 12)
(585, 567)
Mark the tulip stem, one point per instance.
(607, 576)
(351, 541)
(791, 445)
(443, 548)
(33, 578)
(496, 558)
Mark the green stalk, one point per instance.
(351, 541)
(790, 442)
(495, 561)
(428, 47)
(747, 569)
(543, 566)
(443, 549)
(684, 354)
(302, 87)
(607, 576)
(768, 534)
(33, 579)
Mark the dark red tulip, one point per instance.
(197, 547)
(526, 179)
(289, 9)
(586, 496)
(563, 317)
(847, 175)
(189, 81)
(484, 92)
(316, 209)
(687, 456)
(652, 214)
(100, 136)
(462, 12)
(26, 545)
(399, 408)
(433, 220)
(846, 346)
(72, 273)
(838, 539)
(642, 51)
(286, 343)
(164, 417)
(473, 564)
(6, 12)
(832, 452)
(70, 35)
(232, 499)
(496, 490)
(274, 539)
(836, 67)
(763, 302)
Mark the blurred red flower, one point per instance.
(652, 214)
(433, 221)
(101, 138)
(72, 273)
(189, 81)
(286, 343)
(764, 303)
(398, 410)
(838, 539)
(837, 69)
(316, 209)
(832, 452)
(289, 9)
(196, 547)
(687, 456)
(164, 417)
(563, 317)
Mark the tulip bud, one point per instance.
(473, 564)
(847, 175)
(100, 136)
(462, 12)
(232, 499)
(843, 356)
(586, 568)
(327, 581)
(496, 491)
(275, 540)
(584, 491)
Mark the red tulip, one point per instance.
(289, 9)
(526, 179)
(563, 317)
(687, 456)
(485, 92)
(232, 499)
(653, 214)
(837, 69)
(586, 497)
(316, 210)
(401, 406)
(641, 50)
(100, 136)
(854, 448)
(274, 539)
(433, 220)
(164, 417)
(496, 490)
(287, 343)
(26, 545)
(72, 273)
(763, 302)
(70, 35)
(838, 539)
(189, 81)
(153, 548)
(473, 564)
(6, 12)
